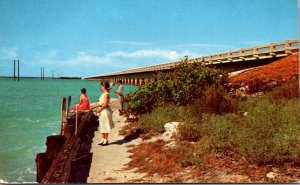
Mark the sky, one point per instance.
(83, 38)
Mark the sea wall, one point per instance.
(67, 158)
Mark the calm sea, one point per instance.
(30, 111)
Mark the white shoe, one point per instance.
(101, 141)
(105, 142)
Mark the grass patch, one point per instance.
(270, 133)
(156, 120)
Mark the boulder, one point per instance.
(170, 130)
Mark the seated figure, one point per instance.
(84, 102)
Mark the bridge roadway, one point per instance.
(226, 61)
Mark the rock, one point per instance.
(131, 116)
(271, 175)
(171, 126)
(171, 144)
(170, 130)
(245, 113)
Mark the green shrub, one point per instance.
(270, 133)
(183, 85)
(221, 130)
(142, 101)
(190, 130)
(191, 154)
(156, 120)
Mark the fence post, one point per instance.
(272, 49)
(69, 104)
(76, 121)
(287, 47)
(255, 52)
(63, 114)
(242, 56)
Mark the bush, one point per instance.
(142, 101)
(182, 86)
(156, 120)
(270, 133)
(192, 154)
(221, 130)
(217, 101)
(190, 130)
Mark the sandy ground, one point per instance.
(108, 162)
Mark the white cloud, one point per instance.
(165, 54)
(117, 58)
(85, 63)
(9, 53)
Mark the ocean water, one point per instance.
(30, 111)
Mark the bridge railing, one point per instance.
(257, 52)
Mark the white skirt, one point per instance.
(105, 120)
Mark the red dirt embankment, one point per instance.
(265, 77)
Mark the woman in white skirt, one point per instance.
(105, 113)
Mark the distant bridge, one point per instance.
(227, 61)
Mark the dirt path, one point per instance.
(108, 162)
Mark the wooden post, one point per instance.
(69, 104)
(76, 122)
(63, 114)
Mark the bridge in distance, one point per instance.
(226, 61)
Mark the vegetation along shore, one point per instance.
(242, 128)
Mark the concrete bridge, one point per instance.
(226, 61)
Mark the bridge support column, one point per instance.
(141, 82)
(131, 81)
(136, 81)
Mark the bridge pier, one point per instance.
(141, 82)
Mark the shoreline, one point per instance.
(109, 162)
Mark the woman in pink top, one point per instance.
(84, 102)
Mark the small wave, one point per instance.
(30, 170)
(3, 181)
(25, 175)
(32, 121)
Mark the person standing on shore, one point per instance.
(105, 113)
(120, 92)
